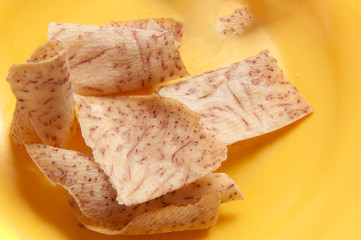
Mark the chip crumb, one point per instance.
(235, 23)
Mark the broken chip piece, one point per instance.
(107, 60)
(235, 23)
(147, 145)
(195, 206)
(45, 106)
(241, 100)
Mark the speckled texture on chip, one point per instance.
(194, 206)
(147, 145)
(107, 60)
(45, 105)
(165, 24)
(241, 100)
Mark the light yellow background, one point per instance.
(302, 182)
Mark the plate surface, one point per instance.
(302, 182)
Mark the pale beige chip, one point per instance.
(195, 206)
(21, 129)
(165, 24)
(147, 145)
(235, 23)
(241, 100)
(171, 218)
(107, 60)
(45, 106)
(80, 175)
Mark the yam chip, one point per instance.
(195, 206)
(241, 100)
(45, 106)
(235, 23)
(108, 60)
(163, 24)
(147, 145)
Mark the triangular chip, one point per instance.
(80, 175)
(108, 60)
(96, 207)
(242, 100)
(235, 23)
(45, 106)
(166, 24)
(147, 145)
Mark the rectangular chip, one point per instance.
(108, 60)
(241, 100)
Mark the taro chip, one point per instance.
(45, 107)
(235, 23)
(201, 215)
(22, 130)
(241, 100)
(107, 60)
(194, 206)
(162, 24)
(147, 145)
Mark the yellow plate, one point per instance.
(302, 182)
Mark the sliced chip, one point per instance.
(80, 175)
(45, 106)
(171, 218)
(96, 207)
(167, 24)
(108, 60)
(235, 23)
(242, 100)
(21, 129)
(147, 145)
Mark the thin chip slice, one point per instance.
(242, 100)
(95, 197)
(21, 129)
(235, 23)
(108, 60)
(166, 24)
(80, 175)
(147, 145)
(45, 106)
(171, 218)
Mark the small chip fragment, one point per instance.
(241, 100)
(194, 206)
(45, 106)
(165, 24)
(235, 23)
(108, 60)
(147, 145)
